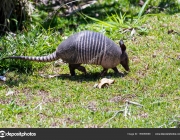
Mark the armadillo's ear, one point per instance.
(123, 47)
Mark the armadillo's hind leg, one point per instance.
(72, 68)
(82, 69)
(104, 72)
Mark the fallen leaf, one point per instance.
(178, 56)
(2, 78)
(141, 3)
(10, 92)
(143, 115)
(58, 63)
(105, 82)
(92, 106)
(116, 99)
(170, 31)
(154, 55)
(135, 59)
(133, 32)
(146, 66)
(64, 37)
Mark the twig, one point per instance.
(116, 113)
(126, 110)
(49, 76)
(39, 105)
(134, 103)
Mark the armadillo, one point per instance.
(86, 47)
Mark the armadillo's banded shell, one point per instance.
(89, 47)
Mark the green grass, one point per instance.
(66, 101)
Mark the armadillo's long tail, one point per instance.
(47, 58)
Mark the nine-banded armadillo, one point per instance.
(87, 47)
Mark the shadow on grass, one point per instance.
(91, 76)
(19, 77)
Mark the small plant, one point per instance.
(13, 13)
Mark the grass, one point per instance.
(72, 101)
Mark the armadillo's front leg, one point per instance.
(104, 72)
(115, 70)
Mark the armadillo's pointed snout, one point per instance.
(125, 65)
(128, 69)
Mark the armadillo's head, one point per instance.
(124, 57)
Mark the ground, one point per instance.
(147, 97)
